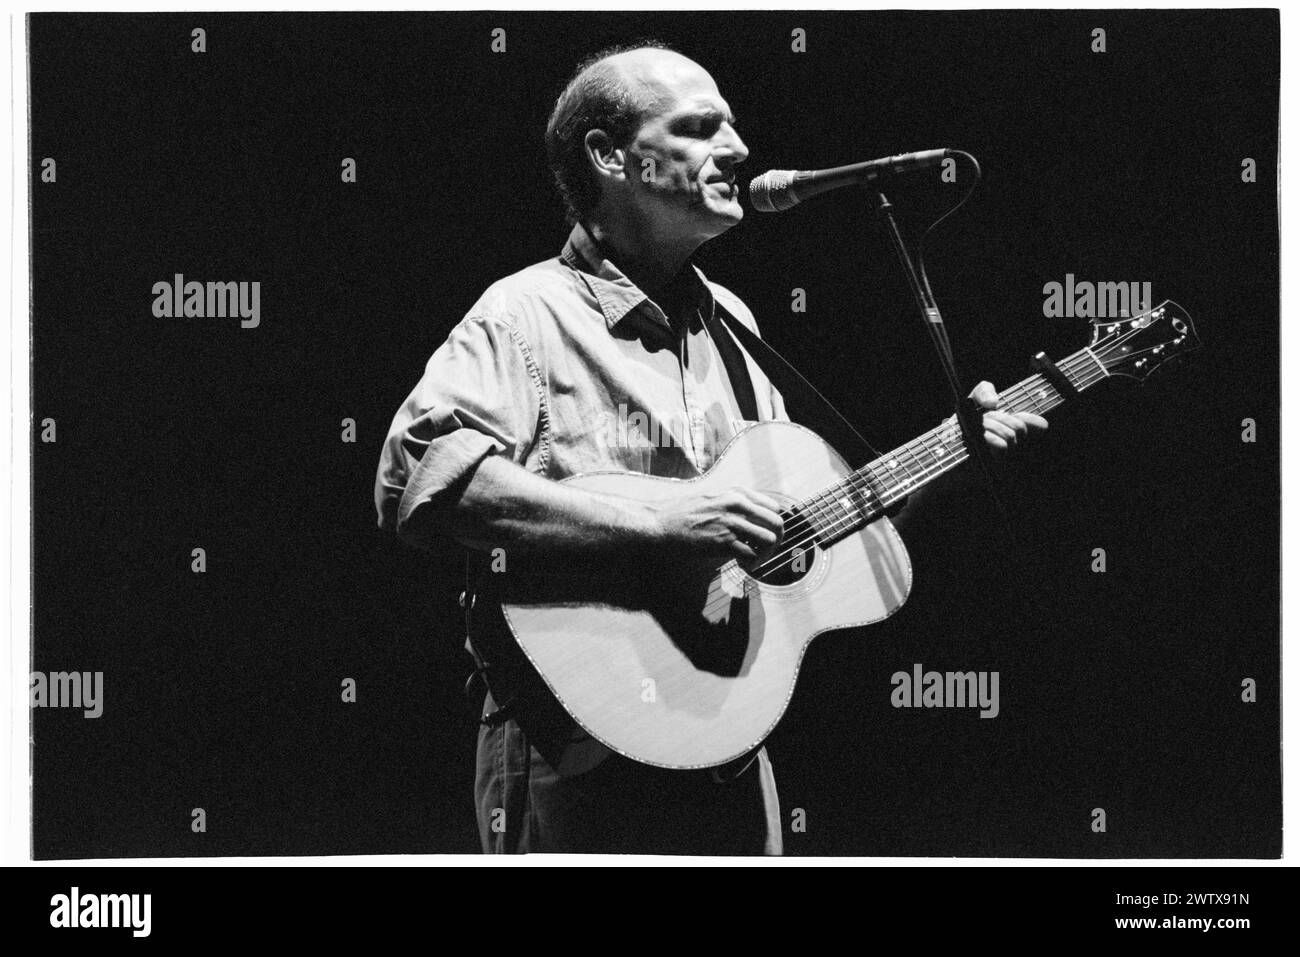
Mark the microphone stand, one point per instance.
(969, 415)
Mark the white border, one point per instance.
(15, 559)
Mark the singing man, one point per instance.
(644, 151)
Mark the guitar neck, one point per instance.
(865, 495)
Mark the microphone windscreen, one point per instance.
(771, 193)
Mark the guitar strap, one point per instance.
(835, 428)
(737, 371)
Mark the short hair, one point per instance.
(593, 99)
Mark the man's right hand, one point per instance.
(506, 506)
(734, 523)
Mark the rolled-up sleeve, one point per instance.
(480, 395)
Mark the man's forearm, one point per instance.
(504, 505)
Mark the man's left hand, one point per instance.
(1003, 429)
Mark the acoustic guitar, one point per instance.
(693, 667)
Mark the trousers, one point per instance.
(619, 807)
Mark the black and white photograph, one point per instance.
(664, 433)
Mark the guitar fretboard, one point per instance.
(864, 496)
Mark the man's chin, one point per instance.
(708, 220)
(726, 215)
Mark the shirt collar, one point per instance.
(617, 295)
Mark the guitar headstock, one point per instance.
(1136, 346)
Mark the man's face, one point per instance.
(681, 163)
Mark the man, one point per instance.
(620, 327)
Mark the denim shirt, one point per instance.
(567, 367)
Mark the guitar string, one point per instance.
(942, 436)
(809, 517)
(1034, 389)
(808, 528)
(1034, 386)
(1040, 396)
(946, 446)
(819, 504)
(812, 529)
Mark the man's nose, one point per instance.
(735, 151)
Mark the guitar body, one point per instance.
(693, 667)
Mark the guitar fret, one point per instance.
(1094, 358)
(896, 463)
(823, 516)
(851, 512)
(866, 494)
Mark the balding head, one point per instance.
(613, 90)
(653, 72)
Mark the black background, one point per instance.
(1118, 690)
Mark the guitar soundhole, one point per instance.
(791, 558)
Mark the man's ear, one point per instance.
(603, 157)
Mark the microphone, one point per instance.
(779, 189)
